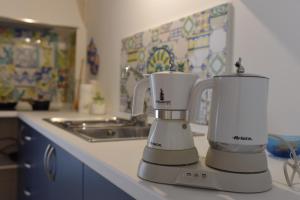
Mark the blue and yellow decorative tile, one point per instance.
(26, 56)
(197, 43)
(216, 65)
(6, 54)
(188, 26)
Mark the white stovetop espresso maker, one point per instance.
(237, 133)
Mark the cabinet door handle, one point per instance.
(27, 193)
(27, 138)
(45, 159)
(52, 171)
(27, 165)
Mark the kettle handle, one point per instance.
(139, 96)
(195, 100)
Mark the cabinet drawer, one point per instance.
(25, 194)
(27, 139)
(32, 176)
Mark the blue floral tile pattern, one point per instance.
(198, 43)
(45, 82)
(7, 74)
(6, 54)
(25, 77)
(25, 56)
(39, 61)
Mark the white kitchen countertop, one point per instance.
(118, 162)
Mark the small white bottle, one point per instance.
(86, 98)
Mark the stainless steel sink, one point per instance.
(110, 129)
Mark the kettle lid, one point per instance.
(240, 72)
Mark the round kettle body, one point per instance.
(238, 115)
(239, 111)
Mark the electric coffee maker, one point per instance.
(237, 133)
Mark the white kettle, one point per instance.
(238, 109)
(237, 130)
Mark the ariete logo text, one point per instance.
(242, 138)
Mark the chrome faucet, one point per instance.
(140, 120)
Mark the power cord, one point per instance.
(293, 162)
(6, 147)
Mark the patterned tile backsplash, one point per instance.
(38, 62)
(199, 43)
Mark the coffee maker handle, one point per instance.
(139, 96)
(195, 99)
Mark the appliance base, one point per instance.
(236, 162)
(170, 157)
(201, 176)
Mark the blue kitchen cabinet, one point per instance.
(65, 175)
(97, 187)
(32, 181)
(47, 172)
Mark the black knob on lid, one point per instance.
(240, 69)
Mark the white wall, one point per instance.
(266, 36)
(52, 12)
